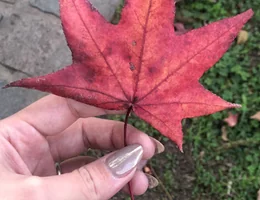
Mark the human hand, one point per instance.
(55, 129)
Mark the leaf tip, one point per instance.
(180, 146)
(12, 84)
(250, 12)
(6, 86)
(234, 105)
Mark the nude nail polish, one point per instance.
(159, 148)
(152, 181)
(124, 160)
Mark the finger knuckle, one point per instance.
(89, 186)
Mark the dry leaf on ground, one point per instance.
(224, 133)
(231, 119)
(242, 37)
(180, 28)
(256, 116)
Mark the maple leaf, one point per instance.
(140, 64)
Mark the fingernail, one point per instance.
(125, 160)
(141, 164)
(152, 181)
(159, 148)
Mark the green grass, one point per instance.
(236, 79)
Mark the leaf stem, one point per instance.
(125, 144)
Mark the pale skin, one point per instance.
(56, 129)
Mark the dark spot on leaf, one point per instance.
(89, 75)
(135, 100)
(152, 69)
(81, 57)
(79, 97)
(81, 54)
(132, 67)
(108, 51)
(127, 57)
(134, 43)
(126, 106)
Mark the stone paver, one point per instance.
(106, 8)
(49, 6)
(14, 99)
(32, 43)
(9, 1)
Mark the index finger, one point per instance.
(52, 114)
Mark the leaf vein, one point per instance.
(142, 50)
(100, 52)
(183, 64)
(91, 90)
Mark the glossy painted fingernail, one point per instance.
(141, 164)
(159, 148)
(124, 160)
(152, 181)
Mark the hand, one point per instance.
(56, 129)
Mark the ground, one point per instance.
(210, 168)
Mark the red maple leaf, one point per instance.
(140, 64)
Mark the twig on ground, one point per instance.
(234, 144)
(161, 184)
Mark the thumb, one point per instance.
(98, 180)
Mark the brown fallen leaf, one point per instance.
(180, 28)
(242, 37)
(231, 119)
(224, 133)
(201, 155)
(256, 116)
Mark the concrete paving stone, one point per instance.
(9, 1)
(14, 99)
(33, 42)
(30, 40)
(10, 75)
(106, 8)
(49, 6)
